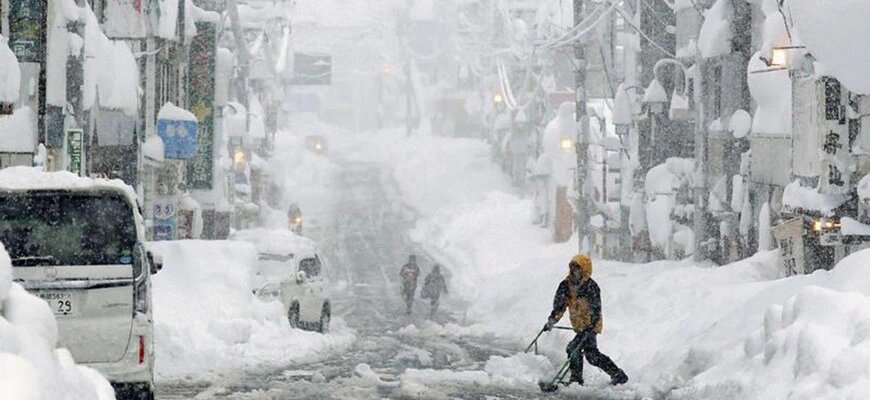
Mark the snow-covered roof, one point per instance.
(18, 131)
(111, 74)
(10, 85)
(797, 197)
(837, 34)
(277, 241)
(172, 112)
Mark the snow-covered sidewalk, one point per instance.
(208, 323)
(679, 329)
(31, 367)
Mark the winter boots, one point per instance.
(618, 378)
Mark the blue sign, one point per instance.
(179, 138)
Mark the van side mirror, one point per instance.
(156, 262)
(301, 276)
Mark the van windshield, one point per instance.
(65, 228)
(311, 266)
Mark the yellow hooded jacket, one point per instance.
(582, 299)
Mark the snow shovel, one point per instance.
(553, 385)
(534, 343)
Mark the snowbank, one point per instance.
(208, 322)
(31, 368)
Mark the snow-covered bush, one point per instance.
(31, 368)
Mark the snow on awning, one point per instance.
(18, 131)
(796, 197)
(837, 34)
(714, 38)
(851, 227)
(172, 112)
(111, 74)
(10, 85)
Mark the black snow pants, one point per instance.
(589, 348)
(433, 305)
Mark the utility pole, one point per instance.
(242, 54)
(699, 220)
(581, 144)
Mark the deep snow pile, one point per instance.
(208, 322)
(678, 329)
(31, 368)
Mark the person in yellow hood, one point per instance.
(580, 295)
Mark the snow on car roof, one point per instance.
(22, 179)
(29, 178)
(277, 241)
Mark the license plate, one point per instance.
(61, 303)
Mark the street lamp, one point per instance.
(239, 160)
(655, 97)
(779, 56)
(566, 144)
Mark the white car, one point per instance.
(290, 270)
(78, 244)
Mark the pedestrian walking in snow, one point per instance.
(433, 286)
(581, 296)
(409, 273)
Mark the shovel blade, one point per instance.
(548, 387)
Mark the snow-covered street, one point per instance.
(392, 355)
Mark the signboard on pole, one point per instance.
(312, 69)
(834, 134)
(26, 25)
(74, 143)
(164, 213)
(179, 138)
(789, 238)
(177, 128)
(203, 53)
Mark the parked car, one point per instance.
(78, 244)
(291, 271)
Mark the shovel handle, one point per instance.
(534, 342)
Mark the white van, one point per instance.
(290, 270)
(78, 244)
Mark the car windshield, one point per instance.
(63, 228)
(311, 266)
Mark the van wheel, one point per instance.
(293, 315)
(325, 316)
